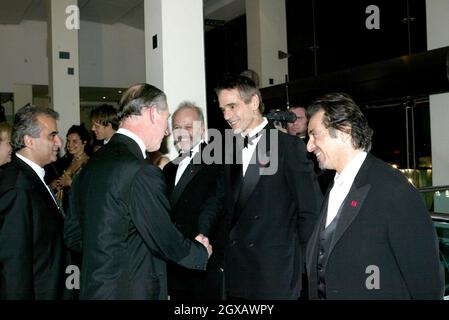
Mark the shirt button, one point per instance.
(256, 217)
(251, 245)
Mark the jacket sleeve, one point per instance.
(304, 186)
(149, 210)
(415, 244)
(72, 221)
(212, 207)
(16, 246)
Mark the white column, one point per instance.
(63, 62)
(266, 26)
(437, 12)
(23, 94)
(174, 52)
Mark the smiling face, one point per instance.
(188, 130)
(242, 117)
(44, 149)
(330, 151)
(74, 144)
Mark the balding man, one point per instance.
(127, 235)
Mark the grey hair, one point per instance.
(139, 97)
(25, 123)
(189, 105)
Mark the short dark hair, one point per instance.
(104, 115)
(140, 96)
(25, 123)
(245, 86)
(342, 113)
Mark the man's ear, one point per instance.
(255, 101)
(28, 141)
(152, 110)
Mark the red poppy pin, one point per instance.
(354, 203)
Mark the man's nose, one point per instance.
(310, 145)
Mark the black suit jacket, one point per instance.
(127, 234)
(270, 219)
(383, 223)
(197, 205)
(32, 255)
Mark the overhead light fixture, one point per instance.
(120, 91)
(104, 98)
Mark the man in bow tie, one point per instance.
(269, 216)
(196, 196)
(375, 238)
(32, 255)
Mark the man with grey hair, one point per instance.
(120, 200)
(32, 254)
(196, 195)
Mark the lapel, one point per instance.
(313, 244)
(38, 185)
(259, 160)
(195, 165)
(353, 202)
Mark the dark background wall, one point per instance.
(336, 30)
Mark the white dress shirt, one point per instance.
(40, 172)
(342, 185)
(247, 153)
(133, 136)
(182, 166)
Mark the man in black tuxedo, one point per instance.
(375, 238)
(196, 196)
(271, 200)
(121, 202)
(32, 255)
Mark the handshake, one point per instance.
(205, 242)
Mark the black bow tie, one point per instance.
(248, 140)
(186, 154)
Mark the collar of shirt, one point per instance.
(182, 166)
(247, 153)
(257, 129)
(37, 168)
(350, 171)
(133, 136)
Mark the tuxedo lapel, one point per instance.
(312, 247)
(353, 202)
(39, 186)
(252, 175)
(188, 174)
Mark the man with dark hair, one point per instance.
(375, 238)
(196, 195)
(299, 127)
(270, 213)
(121, 202)
(32, 256)
(104, 122)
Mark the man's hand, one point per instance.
(205, 242)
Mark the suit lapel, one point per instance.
(39, 186)
(313, 243)
(188, 174)
(252, 175)
(353, 202)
